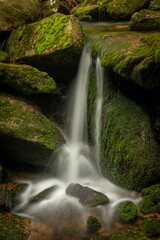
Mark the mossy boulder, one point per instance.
(17, 12)
(26, 136)
(129, 234)
(87, 196)
(5, 198)
(150, 227)
(154, 5)
(44, 194)
(145, 20)
(150, 202)
(3, 56)
(136, 57)
(85, 18)
(93, 224)
(85, 9)
(26, 79)
(53, 45)
(127, 212)
(129, 151)
(119, 10)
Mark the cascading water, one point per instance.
(75, 166)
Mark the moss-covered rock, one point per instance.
(85, 18)
(44, 194)
(26, 79)
(26, 135)
(129, 234)
(127, 212)
(53, 45)
(145, 20)
(136, 57)
(129, 150)
(3, 56)
(154, 5)
(93, 224)
(150, 202)
(82, 9)
(150, 227)
(87, 196)
(119, 10)
(17, 12)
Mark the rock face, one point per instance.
(150, 202)
(26, 79)
(133, 56)
(127, 212)
(26, 135)
(145, 20)
(53, 45)
(87, 196)
(17, 12)
(5, 198)
(154, 5)
(119, 10)
(129, 150)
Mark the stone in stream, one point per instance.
(44, 194)
(127, 212)
(93, 224)
(87, 196)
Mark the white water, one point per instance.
(76, 164)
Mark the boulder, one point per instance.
(50, 7)
(93, 224)
(150, 227)
(145, 20)
(27, 137)
(3, 56)
(120, 10)
(26, 79)
(150, 202)
(53, 45)
(154, 5)
(81, 10)
(129, 150)
(5, 198)
(44, 194)
(17, 12)
(127, 212)
(136, 57)
(87, 196)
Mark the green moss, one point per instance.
(127, 212)
(85, 18)
(129, 149)
(100, 199)
(91, 10)
(154, 5)
(3, 56)
(93, 221)
(44, 194)
(150, 202)
(150, 227)
(26, 79)
(129, 234)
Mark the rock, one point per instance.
(128, 147)
(150, 227)
(93, 224)
(136, 57)
(150, 202)
(154, 5)
(50, 7)
(87, 196)
(128, 234)
(86, 9)
(26, 79)
(120, 10)
(26, 135)
(85, 18)
(44, 194)
(127, 212)
(3, 56)
(17, 12)
(5, 198)
(145, 20)
(58, 55)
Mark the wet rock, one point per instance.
(150, 227)
(26, 135)
(129, 233)
(145, 20)
(133, 56)
(93, 224)
(17, 12)
(150, 202)
(154, 5)
(3, 56)
(53, 45)
(127, 212)
(5, 198)
(26, 79)
(44, 194)
(87, 196)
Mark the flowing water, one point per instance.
(77, 164)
